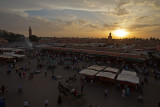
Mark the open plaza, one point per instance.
(69, 79)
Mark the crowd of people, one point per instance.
(147, 68)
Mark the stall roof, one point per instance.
(109, 69)
(96, 67)
(6, 49)
(128, 78)
(11, 49)
(17, 50)
(106, 74)
(116, 54)
(13, 54)
(129, 73)
(6, 56)
(88, 72)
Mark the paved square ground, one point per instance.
(39, 88)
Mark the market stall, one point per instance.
(6, 58)
(17, 56)
(96, 67)
(88, 73)
(106, 76)
(129, 73)
(112, 70)
(129, 80)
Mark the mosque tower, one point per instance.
(110, 38)
(30, 31)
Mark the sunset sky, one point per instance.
(81, 18)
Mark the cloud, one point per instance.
(19, 24)
(83, 21)
(60, 17)
(120, 11)
(92, 26)
(89, 3)
(142, 18)
(111, 26)
(156, 4)
(137, 26)
(43, 26)
(124, 4)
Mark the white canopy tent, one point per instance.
(88, 72)
(6, 57)
(106, 75)
(96, 67)
(129, 73)
(113, 70)
(13, 54)
(128, 78)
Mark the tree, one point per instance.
(33, 38)
(11, 37)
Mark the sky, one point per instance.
(81, 18)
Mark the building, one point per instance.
(3, 41)
(30, 31)
(158, 47)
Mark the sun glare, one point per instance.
(121, 33)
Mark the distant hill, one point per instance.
(11, 37)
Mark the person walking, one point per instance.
(46, 102)
(105, 92)
(146, 79)
(20, 74)
(24, 74)
(91, 81)
(140, 98)
(123, 93)
(19, 88)
(25, 103)
(127, 91)
(82, 88)
(59, 99)
(3, 89)
(45, 73)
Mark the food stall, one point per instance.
(16, 56)
(112, 70)
(129, 73)
(88, 73)
(97, 67)
(129, 80)
(106, 76)
(6, 58)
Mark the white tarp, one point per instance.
(129, 73)
(6, 56)
(106, 74)
(13, 54)
(128, 78)
(11, 49)
(96, 67)
(109, 69)
(6, 49)
(88, 72)
(18, 50)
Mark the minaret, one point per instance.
(110, 38)
(30, 31)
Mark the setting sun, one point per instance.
(120, 33)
